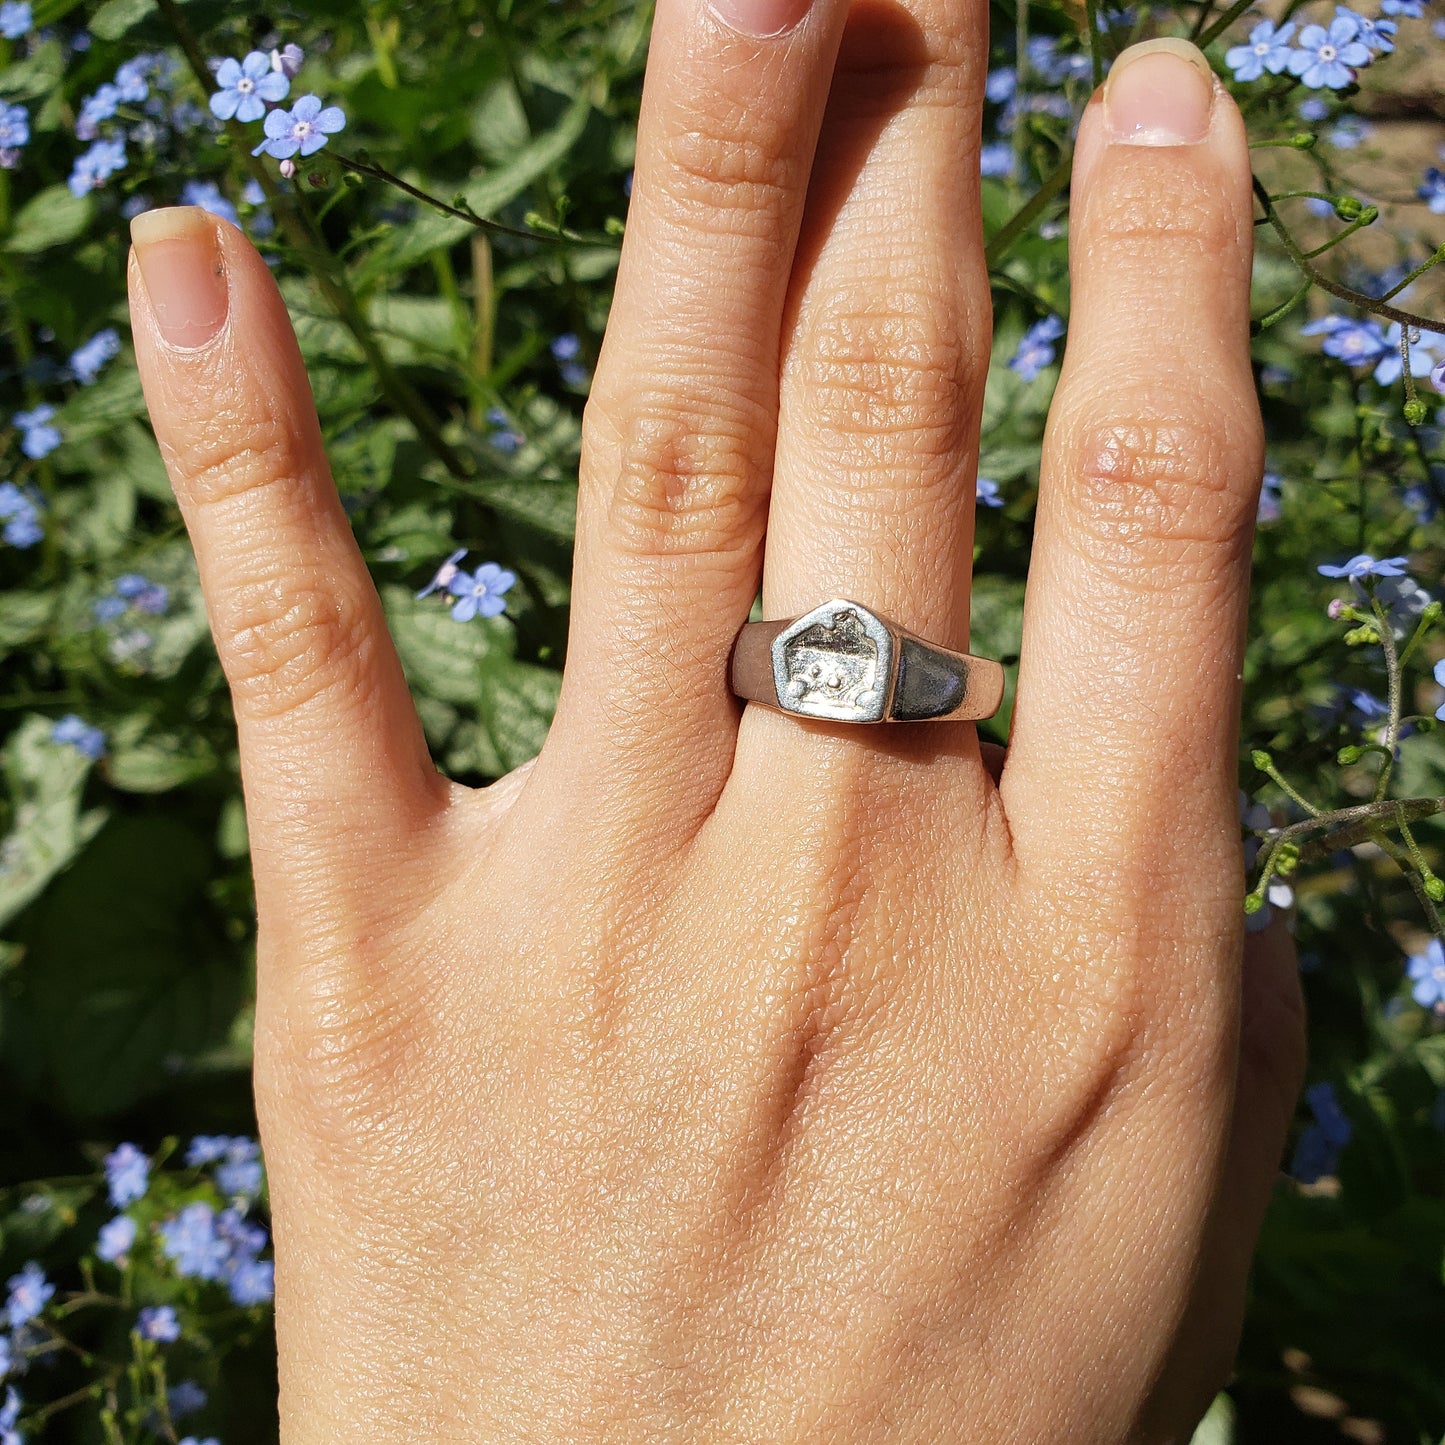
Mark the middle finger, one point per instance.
(887, 331)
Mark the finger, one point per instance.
(330, 743)
(1127, 705)
(885, 358)
(679, 429)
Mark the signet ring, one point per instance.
(843, 662)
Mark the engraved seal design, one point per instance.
(836, 662)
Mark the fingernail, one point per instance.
(179, 254)
(1159, 93)
(761, 19)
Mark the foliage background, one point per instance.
(450, 366)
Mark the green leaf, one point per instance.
(548, 505)
(53, 217)
(442, 658)
(49, 829)
(126, 970)
(24, 617)
(158, 764)
(518, 701)
(115, 17)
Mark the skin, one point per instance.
(720, 1076)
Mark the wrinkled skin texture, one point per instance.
(721, 1076)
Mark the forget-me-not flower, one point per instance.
(14, 133)
(93, 168)
(73, 731)
(504, 436)
(440, 582)
(1440, 678)
(1432, 190)
(253, 1282)
(191, 1243)
(239, 1173)
(99, 106)
(302, 130)
(115, 1238)
(1427, 969)
(140, 592)
(30, 1292)
(1363, 565)
(1377, 35)
(1036, 349)
(995, 158)
(192, 1440)
(207, 195)
(1357, 343)
(1410, 9)
(1268, 50)
(15, 19)
(565, 351)
(127, 1173)
(1422, 355)
(245, 87)
(985, 493)
(89, 358)
(185, 1398)
(20, 511)
(1320, 1143)
(1271, 490)
(38, 434)
(1327, 59)
(159, 1323)
(480, 593)
(9, 1414)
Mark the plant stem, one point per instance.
(1026, 214)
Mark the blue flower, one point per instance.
(38, 437)
(302, 130)
(442, 579)
(1000, 85)
(159, 1323)
(1268, 50)
(1377, 34)
(565, 351)
(14, 130)
(1271, 490)
(1348, 132)
(115, 1238)
(143, 594)
(1410, 9)
(995, 158)
(1363, 565)
(1422, 355)
(253, 1282)
(96, 108)
(1366, 704)
(1324, 57)
(288, 60)
(207, 195)
(1427, 969)
(1440, 678)
(1432, 190)
(185, 1399)
(504, 436)
(75, 732)
(1356, 343)
(191, 1243)
(207, 1149)
(30, 1292)
(1036, 349)
(480, 593)
(241, 1172)
(1437, 376)
(192, 1440)
(1318, 1151)
(20, 511)
(15, 19)
(985, 493)
(245, 87)
(127, 1173)
(93, 168)
(88, 359)
(9, 1414)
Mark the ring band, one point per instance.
(843, 663)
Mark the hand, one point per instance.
(721, 1076)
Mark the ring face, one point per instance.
(836, 662)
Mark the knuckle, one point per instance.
(1194, 215)
(1172, 483)
(285, 641)
(230, 456)
(729, 173)
(893, 384)
(683, 476)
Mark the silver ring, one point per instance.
(842, 662)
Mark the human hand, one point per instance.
(721, 1076)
